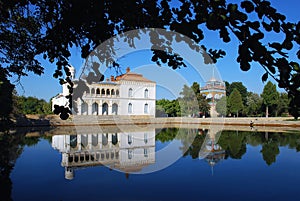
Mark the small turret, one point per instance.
(72, 71)
(69, 173)
(65, 86)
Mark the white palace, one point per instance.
(127, 152)
(126, 94)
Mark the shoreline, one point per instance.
(90, 120)
(53, 125)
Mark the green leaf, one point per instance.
(295, 66)
(232, 7)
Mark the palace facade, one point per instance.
(127, 94)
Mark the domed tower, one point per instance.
(213, 90)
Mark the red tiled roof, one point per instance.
(130, 76)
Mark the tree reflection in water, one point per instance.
(233, 142)
(11, 147)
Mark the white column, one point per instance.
(100, 141)
(100, 107)
(79, 142)
(109, 140)
(89, 141)
(110, 108)
(67, 142)
(79, 106)
(90, 107)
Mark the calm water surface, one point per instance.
(151, 164)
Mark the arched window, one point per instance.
(98, 91)
(114, 139)
(102, 92)
(146, 110)
(104, 109)
(107, 92)
(95, 107)
(84, 141)
(94, 140)
(130, 92)
(114, 109)
(145, 138)
(73, 141)
(93, 91)
(146, 93)
(112, 92)
(84, 108)
(129, 108)
(104, 139)
(129, 139)
(87, 91)
(117, 92)
(130, 154)
(146, 153)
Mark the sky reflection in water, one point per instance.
(228, 165)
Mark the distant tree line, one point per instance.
(32, 105)
(237, 102)
(240, 102)
(21, 105)
(190, 103)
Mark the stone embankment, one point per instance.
(89, 120)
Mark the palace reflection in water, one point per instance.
(127, 152)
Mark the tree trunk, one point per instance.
(267, 111)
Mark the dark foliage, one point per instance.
(30, 28)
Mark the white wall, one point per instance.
(138, 99)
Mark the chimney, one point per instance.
(127, 70)
(112, 78)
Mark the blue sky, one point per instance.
(46, 86)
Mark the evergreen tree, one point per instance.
(203, 105)
(270, 96)
(235, 102)
(221, 106)
(240, 87)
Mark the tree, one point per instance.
(188, 101)
(253, 104)
(221, 106)
(234, 142)
(6, 98)
(203, 104)
(294, 110)
(270, 96)
(171, 108)
(240, 87)
(282, 105)
(235, 102)
(42, 28)
(192, 101)
(33, 105)
(269, 151)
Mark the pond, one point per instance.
(150, 164)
